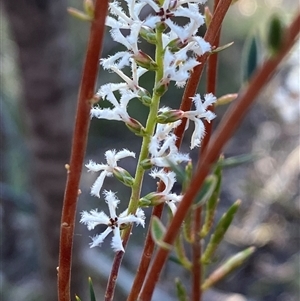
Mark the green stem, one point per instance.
(139, 174)
(150, 126)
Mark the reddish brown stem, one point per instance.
(212, 63)
(192, 84)
(82, 122)
(212, 66)
(228, 125)
(146, 255)
(185, 105)
(196, 249)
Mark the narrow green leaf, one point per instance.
(79, 14)
(221, 48)
(77, 298)
(179, 171)
(181, 291)
(188, 176)
(238, 160)
(250, 57)
(219, 233)
(206, 191)
(158, 231)
(275, 34)
(180, 252)
(226, 268)
(187, 227)
(91, 289)
(212, 203)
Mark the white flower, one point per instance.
(128, 84)
(200, 112)
(164, 130)
(129, 89)
(113, 222)
(119, 112)
(112, 157)
(121, 19)
(169, 179)
(162, 146)
(177, 66)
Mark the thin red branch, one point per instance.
(82, 122)
(192, 85)
(146, 255)
(196, 255)
(226, 128)
(185, 105)
(212, 64)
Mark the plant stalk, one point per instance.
(226, 128)
(80, 135)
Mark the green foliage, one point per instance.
(275, 34)
(206, 191)
(237, 160)
(250, 57)
(91, 289)
(226, 268)
(219, 233)
(158, 231)
(211, 205)
(181, 291)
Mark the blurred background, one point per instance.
(42, 51)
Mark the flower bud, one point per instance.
(152, 199)
(123, 176)
(145, 61)
(161, 87)
(135, 127)
(175, 45)
(146, 164)
(144, 96)
(225, 99)
(148, 34)
(169, 116)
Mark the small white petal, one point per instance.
(95, 190)
(92, 166)
(172, 207)
(116, 242)
(112, 203)
(124, 153)
(98, 239)
(93, 218)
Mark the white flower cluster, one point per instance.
(181, 46)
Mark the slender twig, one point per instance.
(228, 125)
(140, 171)
(193, 82)
(192, 85)
(147, 253)
(82, 122)
(196, 255)
(197, 272)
